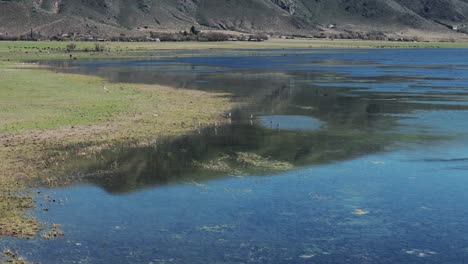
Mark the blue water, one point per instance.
(289, 122)
(414, 202)
(379, 144)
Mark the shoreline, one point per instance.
(55, 50)
(45, 113)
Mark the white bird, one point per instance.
(105, 88)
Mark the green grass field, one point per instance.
(24, 50)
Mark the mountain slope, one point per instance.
(305, 17)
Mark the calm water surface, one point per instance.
(334, 156)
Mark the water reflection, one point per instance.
(288, 117)
(232, 150)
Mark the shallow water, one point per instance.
(339, 156)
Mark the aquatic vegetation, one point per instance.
(257, 162)
(220, 164)
(13, 206)
(9, 256)
(243, 162)
(53, 233)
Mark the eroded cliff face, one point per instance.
(303, 17)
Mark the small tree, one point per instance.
(194, 31)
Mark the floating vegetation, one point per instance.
(53, 233)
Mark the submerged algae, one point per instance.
(242, 163)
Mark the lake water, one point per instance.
(333, 156)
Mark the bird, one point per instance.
(105, 88)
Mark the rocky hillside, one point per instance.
(282, 17)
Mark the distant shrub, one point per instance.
(71, 47)
(99, 47)
(215, 36)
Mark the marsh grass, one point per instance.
(12, 219)
(11, 257)
(239, 163)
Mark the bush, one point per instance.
(99, 47)
(71, 47)
(214, 36)
(194, 31)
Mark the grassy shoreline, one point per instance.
(43, 113)
(47, 50)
